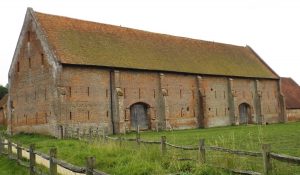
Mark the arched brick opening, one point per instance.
(245, 114)
(140, 116)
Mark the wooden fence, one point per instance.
(201, 148)
(54, 166)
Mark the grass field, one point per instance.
(129, 158)
(10, 167)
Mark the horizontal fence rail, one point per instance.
(265, 154)
(237, 152)
(53, 161)
(285, 158)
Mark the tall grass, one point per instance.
(130, 158)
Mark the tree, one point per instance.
(3, 91)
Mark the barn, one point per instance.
(70, 73)
(291, 92)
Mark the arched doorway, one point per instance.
(139, 116)
(245, 113)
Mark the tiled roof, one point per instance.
(291, 91)
(88, 43)
(3, 101)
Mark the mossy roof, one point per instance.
(88, 43)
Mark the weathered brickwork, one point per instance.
(84, 97)
(50, 97)
(31, 88)
(293, 114)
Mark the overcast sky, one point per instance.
(270, 27)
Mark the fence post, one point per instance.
(19, 152)
(52, 163)
(138, 138)
(163, 146)
(202, 158)
(1, 145)
(103, 135)
(9, 148)
(90, 164)
(266, 149)
(31, 159)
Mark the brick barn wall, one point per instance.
(293, 114)
(85, 98)
(140, 87)
(181, 100)
(32, 89)
(217, 107)
(270, 101)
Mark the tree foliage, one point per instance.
(3, 91)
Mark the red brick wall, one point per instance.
(32, 87)
(85, 97)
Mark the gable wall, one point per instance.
(32, 88)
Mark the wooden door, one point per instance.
(138, 115)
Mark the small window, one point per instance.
(180, 93)
(29, 62)
(70, 116)
(88, 91)
(70, 91)
(42, 59)
(88, 115)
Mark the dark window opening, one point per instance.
(42, 59)
(125, 115)
(180, 91)
(106, 113)
(153, 93)
(88, 114)
(88, 91)
(18, 67)
(106, 93)
(70, 91)
(181, 112)
(70, 116)
(124, 93)
(29, 62)
(187, 108)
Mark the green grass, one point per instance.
(129, 158)
(10, 167)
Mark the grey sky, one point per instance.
(270, 27)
